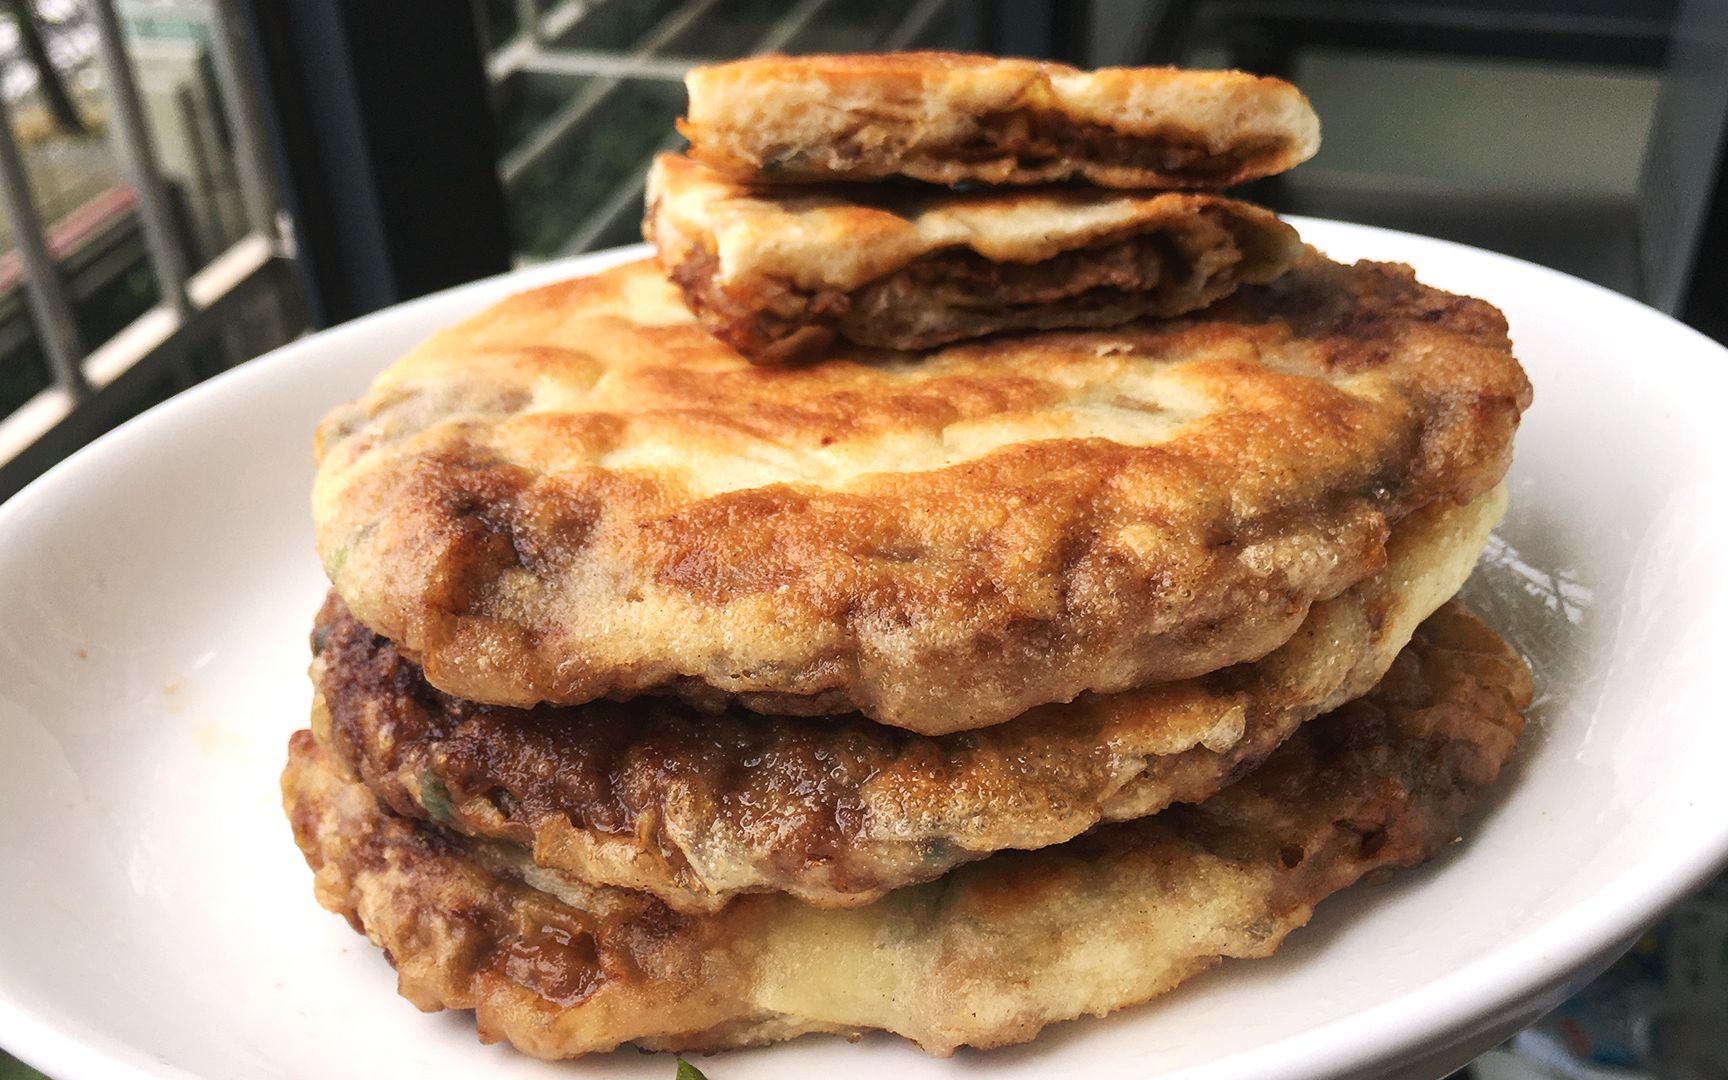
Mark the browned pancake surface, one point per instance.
(697, 807)
(986, 956)
(954, 117)
(580, 493)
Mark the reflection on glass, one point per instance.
(843, 26)
(525, 100)
(572, 192)
(729, 28)
(555, 198)
(616, 24)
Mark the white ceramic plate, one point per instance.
(156, 591)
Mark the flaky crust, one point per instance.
(954, 117)
(580, 493)
(985, 957)
(696, 808)
(778, 273)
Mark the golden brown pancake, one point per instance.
(953, 117)
(986, 956)
(696, 808)
(580, 493)
(779, 273)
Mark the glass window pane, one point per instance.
(611, 148)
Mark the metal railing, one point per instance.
(96, 384)
(93, 384)
(548, 44)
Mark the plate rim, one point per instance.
(1374, 1038)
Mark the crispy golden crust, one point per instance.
(580, 493)
(778, 273)
(984, 957)
(952, 117)
(696, 808)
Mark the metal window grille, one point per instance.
(586, 89)
(585, 92)
(192, 327)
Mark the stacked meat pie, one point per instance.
(974, 577)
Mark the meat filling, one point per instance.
(1035, 140)
(965, 279)
(959, 293)
(1035, 137)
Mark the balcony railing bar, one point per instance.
(528, 20)
(138, 159)
(121, 370)
(608, 65)
(789, 25)
(50, 310)
(512, 54)
(626, 198)
(29, 422)
(259, 193)
(208, 165)
(206, 160)
(558, 128)
(244, 260)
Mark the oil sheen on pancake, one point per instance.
(779, 273)
(951, 118)
(986, 956)
(697, 808)
(580, 493)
